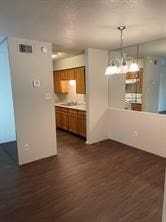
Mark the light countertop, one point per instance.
(77, 107)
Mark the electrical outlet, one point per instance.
(135, 133)
(26, 147)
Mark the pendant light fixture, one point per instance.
(111, 69)
(118, 65)
(123, 68)
(134, 65)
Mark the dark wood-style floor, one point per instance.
(105, 182)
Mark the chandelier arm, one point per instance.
(137, 52)
(109, 57)
(121, 39)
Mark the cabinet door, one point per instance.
(57, 85)
(128, 75)
(65, 118)
(132, 75)
(64, 74)
(64, 86)
(58, 119)
(82, 123)
(73, 122)
(60, 86)
(71, 74)
(80, 80)
(136, 106)
(140, 81)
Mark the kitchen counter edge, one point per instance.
(77, 107)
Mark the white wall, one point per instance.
(116, 91)
(71, 62)
(97, 95)
(145, 131)
(142, 130)
(151, 83)
(7, 122)
(162, 90)
(164, 203)
(34, 114)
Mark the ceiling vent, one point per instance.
(25, 48)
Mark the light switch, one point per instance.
(36, 83)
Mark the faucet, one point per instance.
(74, 102)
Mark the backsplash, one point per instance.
(71, 96)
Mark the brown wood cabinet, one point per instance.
(140, 81)
(132, 75)
(58, 117)
(82, 123)
(80, 80)
(60, 86)
(56, 76)
(136, 106)
(72, 120)
(64, 74)
(61, 78)
(139, 77)
(71, 74)
(64, 119)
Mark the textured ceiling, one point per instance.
(79, 24)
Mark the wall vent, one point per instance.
(25, 48)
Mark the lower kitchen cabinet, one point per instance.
(71, 120)
(136, 106)
(82, 123)
(64, 119)
(58, 117)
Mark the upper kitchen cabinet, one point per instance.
(131, 75)
(71, 74)
(62, 77)
(140, 81)
(64, 74)
(138, 77)
(60, 86)
(80, 80)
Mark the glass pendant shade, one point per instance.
(112, 69)
(134, 67)
(119, 65)
(124, 69)
(107, 71)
